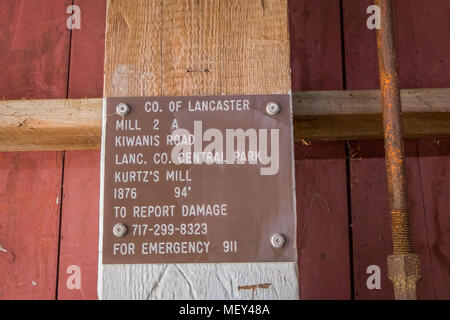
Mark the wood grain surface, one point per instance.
(34, 53)
(75, 124)
(197, 48)
(80, 207)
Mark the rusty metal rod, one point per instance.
(403, 265)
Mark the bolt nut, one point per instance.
(272, 108)
(120, 230)
(122, 109)
(278, 240)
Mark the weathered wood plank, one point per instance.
(321, 182)
(316, 48)
(87, 51)
(372, 222)
(186, 48)
(79, 229)
(63, 124)
(356, 114)
(364, 102)
(30, 185)
(322, 236)
(75, 124)
(34, 44)
(360, 127)
(434, 164)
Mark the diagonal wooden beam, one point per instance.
(27, 125)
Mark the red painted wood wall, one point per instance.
(49, 200)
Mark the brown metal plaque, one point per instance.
(198, 179)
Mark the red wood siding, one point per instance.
(321, 182)
(30, 185)
(79, 218)
(434, 166)
(371, 219)
(323, 238)
(423, 53)
(34, 52)
(79, 232)
(34, 48)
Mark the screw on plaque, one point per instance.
(278, 240)
(272, 108)
(120, 230)
(122, 109)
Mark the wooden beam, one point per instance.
(27, 125)
(203, 47)
(360, 102)
(61, 124)
(353, 115)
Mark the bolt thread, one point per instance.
(401, 233)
